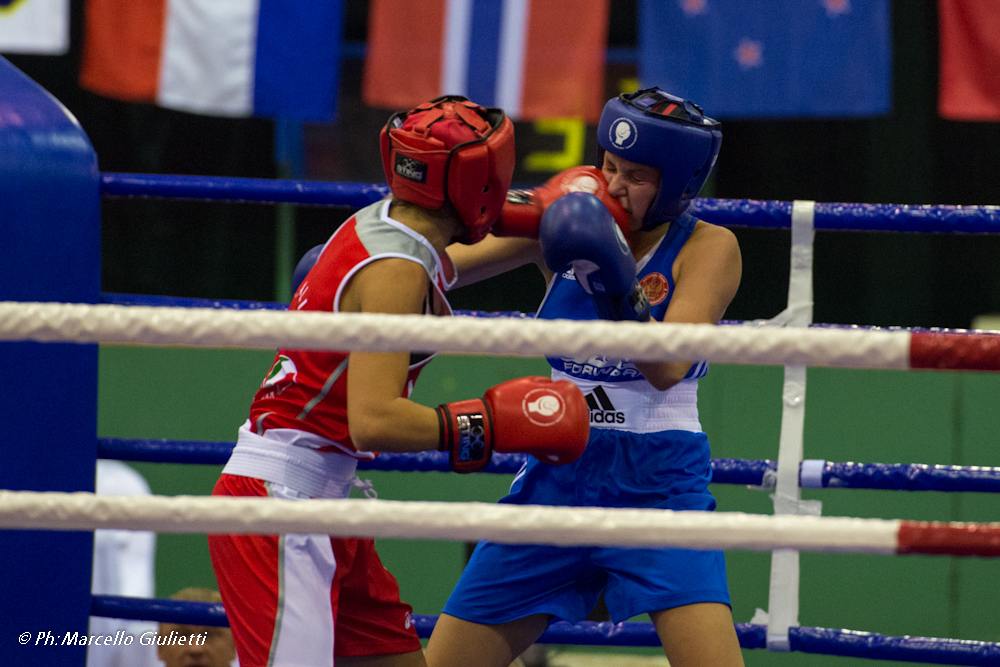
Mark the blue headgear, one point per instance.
(654, 128)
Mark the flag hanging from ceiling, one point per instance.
(969, 81)
(532, 58)
(39, 27)
(769, 58)
(273, 58)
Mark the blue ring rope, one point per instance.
(588, 633)
(726, 212)
(850, 475)
(252, 190)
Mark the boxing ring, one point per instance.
(52, 324)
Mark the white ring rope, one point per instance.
(263, 329)
(522, 524)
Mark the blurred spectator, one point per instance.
(123, 565)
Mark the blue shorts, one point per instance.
(669, 470)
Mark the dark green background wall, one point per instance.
(864, 416)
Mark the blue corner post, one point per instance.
(50, 240)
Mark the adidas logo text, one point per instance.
(602, 410)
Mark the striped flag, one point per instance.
(273, 58)
(969, 82)
(533, 58)
(34, 27)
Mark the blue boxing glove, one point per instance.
(305, 265)
(577, 231)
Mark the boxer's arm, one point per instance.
(493, 256)
(513, 242)
(707, 274)
(380, 419)
(522, 212)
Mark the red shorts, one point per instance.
(302, 599)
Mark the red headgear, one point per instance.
(451, 150)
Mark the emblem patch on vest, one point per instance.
(656, 288)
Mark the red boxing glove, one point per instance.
(522, 212)
(531, 415)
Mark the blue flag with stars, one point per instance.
(769, 58)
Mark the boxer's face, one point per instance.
(634, 185)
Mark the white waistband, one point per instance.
(274, 457)
(638, 406)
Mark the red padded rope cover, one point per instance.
(969, 351)
(953, 539)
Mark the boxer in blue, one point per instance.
(621, 246)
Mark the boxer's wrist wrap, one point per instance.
(466, 433)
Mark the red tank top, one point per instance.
(307, 389)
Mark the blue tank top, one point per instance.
(565, 299)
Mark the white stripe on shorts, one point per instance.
(304, 632)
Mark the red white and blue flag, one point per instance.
(272, 58)
(532, 58)
(769, 58)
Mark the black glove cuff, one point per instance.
(443, 423)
